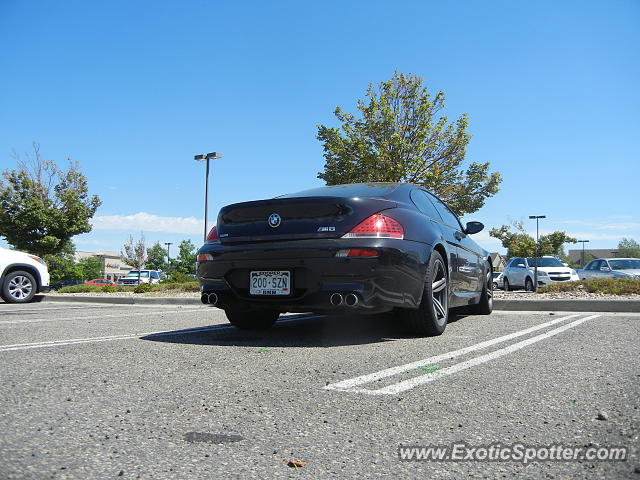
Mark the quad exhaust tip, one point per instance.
(351, 300)
(209, 298)
(336, 299)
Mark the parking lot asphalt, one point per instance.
(166, 391)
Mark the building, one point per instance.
(575, 256)
(498, 261)
(113, 266)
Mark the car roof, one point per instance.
(369, 189)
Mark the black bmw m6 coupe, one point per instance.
(361, 248)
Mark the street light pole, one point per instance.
(168, 244)
(205, 158)
(583, 242)
(535, 271)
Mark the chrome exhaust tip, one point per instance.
(213, 299)
(351, 300)
(336, 299)
(204, 298)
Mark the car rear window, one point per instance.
(353, 190)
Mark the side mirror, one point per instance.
(520, 265)
(473, 227)
(605, 269)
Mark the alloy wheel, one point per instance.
(439, 291)
(20, 287)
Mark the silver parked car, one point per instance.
(497, 280)
(520, 273)
(611, 268)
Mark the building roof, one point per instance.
(576, 255)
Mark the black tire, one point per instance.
(256, 320)
(505, 285)
(485, 305)
(431, 316)
(19, 287)
(528, 284)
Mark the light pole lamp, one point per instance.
(168, 244)
(205, 158)
(583, 242)
(535, 270)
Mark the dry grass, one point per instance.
(609, 286)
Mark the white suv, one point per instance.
(21, 276)
(519, 272)
(134, 277)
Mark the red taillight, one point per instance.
(213, 234)
(204, 257)
(377, 226)
(357, 252)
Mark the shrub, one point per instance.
(82, 288)
(177, 277)
(610, 286)
(143, 288)
(190, 286)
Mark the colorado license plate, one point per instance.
(270, 283)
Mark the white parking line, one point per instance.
(76, 341)
(458, 367)
(350, 385)
(93, 317)
(187, 331)
(30, 311)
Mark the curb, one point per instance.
(625, 306)
(125, 300)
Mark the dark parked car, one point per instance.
(362, 248)
(65, 283)
(100, 282)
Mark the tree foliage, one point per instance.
(42, 207)
(520, 244)
(628, 247)
(91, 268)
(156, 257)
(185, 262)
(400, 136)
(63, 266)
(135, 253)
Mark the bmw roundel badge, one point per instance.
(274, 220)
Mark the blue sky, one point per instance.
(132, 90)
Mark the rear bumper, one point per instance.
(393, 279)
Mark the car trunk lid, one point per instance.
(295, 218)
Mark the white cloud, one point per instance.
(487, 242)
(148, 222)
(623, 226)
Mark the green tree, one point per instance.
(63, 266)
(400, 136)
(135, 253)
(42, 207)
(91, 268)
(520, 244)
(628, 247)
(185, 262)
(156, 257)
